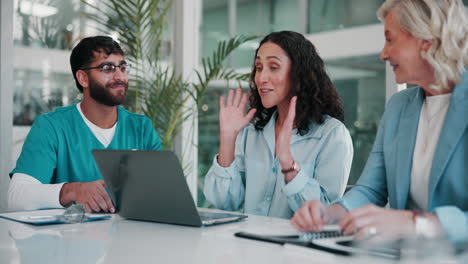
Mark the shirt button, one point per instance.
(274, 170)
(268, 198)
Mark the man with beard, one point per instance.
(56, 167)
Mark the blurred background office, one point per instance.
(37, 35)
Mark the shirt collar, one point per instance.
(315, 131)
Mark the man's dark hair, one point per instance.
(83, 54)
(316, 94)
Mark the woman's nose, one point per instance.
(383, 54)
(263, 76)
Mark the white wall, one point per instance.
(351, 42)
(6, 96)
(186, 39)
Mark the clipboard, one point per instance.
(47, 217)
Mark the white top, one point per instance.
(104, 135)
(27, 193)
(431, 120)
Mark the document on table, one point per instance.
(281, 228)
(48, 216)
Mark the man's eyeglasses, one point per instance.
(110, 68)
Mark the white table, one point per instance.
(125, 241)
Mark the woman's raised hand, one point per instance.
(283, 141)
(231, 121)
(231, 113)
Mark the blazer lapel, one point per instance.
(453, 129)
(406, 141)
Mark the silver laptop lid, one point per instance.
(147, 185)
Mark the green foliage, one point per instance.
(157, 91)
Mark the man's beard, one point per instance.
(102, 93)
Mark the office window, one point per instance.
(214, 25)
(325, 15)
(44, 32)
(360, 81)
(253, 17)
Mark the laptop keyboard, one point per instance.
(214, 216)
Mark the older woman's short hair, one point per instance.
(445, 23)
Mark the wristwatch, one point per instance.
(423, 226)
(294, 167)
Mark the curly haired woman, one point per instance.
(291, 146)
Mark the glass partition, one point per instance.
(326, 15)
(360, 82)
(44, 32)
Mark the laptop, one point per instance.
(150, 185)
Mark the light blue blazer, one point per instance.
(387, 174)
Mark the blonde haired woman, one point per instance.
(418, 162)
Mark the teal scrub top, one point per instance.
(58, 147)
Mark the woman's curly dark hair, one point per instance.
(316, 94)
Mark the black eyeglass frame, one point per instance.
(112, 69)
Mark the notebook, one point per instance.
(150, 185)
(330, 240)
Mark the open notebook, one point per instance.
(330, 240)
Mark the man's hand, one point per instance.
(91, 194)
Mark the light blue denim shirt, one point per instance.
(254, 181)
